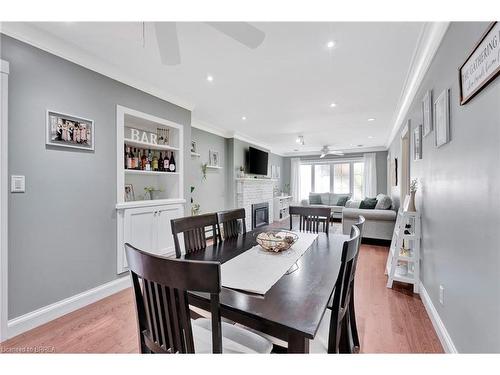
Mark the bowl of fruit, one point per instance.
(276, 240)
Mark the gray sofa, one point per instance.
(379, 222)
(327, 199)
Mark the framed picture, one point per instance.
(129, 193)
(193, 146)
(214, 158)
(442, 118)
(417, 143)
(482, 65)
(427, 112)
(69, 131)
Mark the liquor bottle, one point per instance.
(165, 162)
(125, 157)
(143, 160)
(132, 159)
(129, 158)
(150, 157)
(154, 164)
(171, 163)
(137, 159)
(160, 163)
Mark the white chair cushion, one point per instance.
(320, 343)
(234, 339)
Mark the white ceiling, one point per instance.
(284, 87)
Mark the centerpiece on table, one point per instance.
(276, 240)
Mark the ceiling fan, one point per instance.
(326, 151)
(168, 41)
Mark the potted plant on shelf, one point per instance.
(413, 191)
(152, 192)
(195, 207)
(204, 170)
(242, 172)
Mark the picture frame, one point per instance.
(193, 147)
(427, 113)
(64, 130)
(417, 143)
(129, 193)
(481, 66)
(213, 158)
(442, 118)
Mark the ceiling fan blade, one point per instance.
(340, 153)
(243, 32)
(168, 43)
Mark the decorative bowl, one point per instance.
(276, 240)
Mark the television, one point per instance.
(257, 161)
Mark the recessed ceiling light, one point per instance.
(371, 137)
(371, 119)
(243, 118)
(333, 105)
(210, 78)
(330, 44)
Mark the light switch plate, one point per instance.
(17, 184)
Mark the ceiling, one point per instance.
(284, 88)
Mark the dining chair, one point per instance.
(161, 287)
(332, 335)
(310, 218)
(233, 223)
(193, 229)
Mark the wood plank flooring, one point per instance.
(389, 320)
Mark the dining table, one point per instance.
(292, 309)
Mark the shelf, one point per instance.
(157, 173)
(150, 146)
(213, 167)
(195, 154)
(148, 203)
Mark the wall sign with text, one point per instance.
(482, 65)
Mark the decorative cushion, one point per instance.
(352, 203)
(342, 201)
(325, 199)
(368, 203)
(384, 202)
(314, 198)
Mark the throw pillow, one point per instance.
(342, 201)
(384, 202)
(368, 203)
(352, 204)
(314, 198)
(325, 199)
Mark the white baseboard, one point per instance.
(45, 314)
(438, 324)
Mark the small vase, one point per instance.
(411, 205)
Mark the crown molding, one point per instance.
(40, 39)
(427, 45)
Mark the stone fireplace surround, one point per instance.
(253, 191)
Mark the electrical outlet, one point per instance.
(441, 294)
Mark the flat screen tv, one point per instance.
(257, 161)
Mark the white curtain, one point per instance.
(370, 177)
(295, 180)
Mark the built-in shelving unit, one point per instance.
(282, 207)
(213, 167)
(152, 173)
(135, 143)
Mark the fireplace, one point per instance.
(260, 215)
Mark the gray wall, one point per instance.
(210, 193)
(459, 199)
(62, 231)
(381, 161)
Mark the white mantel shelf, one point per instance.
(147, 203)
(257, 179)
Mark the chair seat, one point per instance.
(234, 339)
(320, 343)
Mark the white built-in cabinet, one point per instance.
(145, 223)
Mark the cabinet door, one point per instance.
(139, 229)
(165, 240)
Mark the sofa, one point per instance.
(379, 222)
(335, 201)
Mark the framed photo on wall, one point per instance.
(417, 143)
(442, 118)
(64, 130)
(129, 193)
(427, 113)
(213, 158)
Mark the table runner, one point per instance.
(257, 270)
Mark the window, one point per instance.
(305, 181)
(359, 176)
(341, 178)
(322, 178)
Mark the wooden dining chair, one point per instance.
(332, 335)
(233, 223)
(193, 229)
(164, 325)
(311, 218)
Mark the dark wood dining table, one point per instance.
(294, 306)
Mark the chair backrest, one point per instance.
(343, 288)
(193, 229)
(230, 221)
(311, 218)
(160, 288)
(359, 224)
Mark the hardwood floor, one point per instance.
(389, 320)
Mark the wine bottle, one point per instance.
(165, 162)
(143, 160)
(160, 163)
(129, 159)
(137, 160)
(171, 163)
(132, 159)
(125, 157)
(154, 164)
